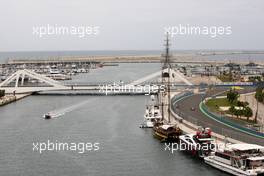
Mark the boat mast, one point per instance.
(165, 73)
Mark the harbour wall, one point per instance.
(11, 98)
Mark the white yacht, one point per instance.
(152, 114)
(59, 76)
(200, 144)
(238, 159)
(54, 70)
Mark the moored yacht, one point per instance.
(54, 70)
(152, 114)
(166, 132)
(239, 159)
(200, 144)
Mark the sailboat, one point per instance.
(165, 130)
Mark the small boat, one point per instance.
(238, 159)
(166, 132)
(47, 116)
(199, 144)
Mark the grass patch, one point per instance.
(214, 104)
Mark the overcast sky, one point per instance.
(130, 24)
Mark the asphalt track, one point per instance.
(184, 107)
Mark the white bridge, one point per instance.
(19, 78)
(16, 83)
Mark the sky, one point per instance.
(130, 24)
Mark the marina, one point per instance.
(161, 119)
(132, 88)
(165, 132)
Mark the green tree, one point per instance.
(232, 110)
(248, 112)
(232, 96)
(242, 104)
(237, 113)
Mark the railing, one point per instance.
(180, 96)
(229, 123)
(177, 98)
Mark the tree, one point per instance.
(240, 112)
(248, 112)
(237, 113)
(232, 96)
(232, 110)
(242, 104)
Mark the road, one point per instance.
(196, 116)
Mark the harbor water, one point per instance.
(112, 121)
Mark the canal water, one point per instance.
(111, 121)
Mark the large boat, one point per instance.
(152, 114)
(167, 132)
(200, 144)
(238, 159)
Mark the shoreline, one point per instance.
(7, 99)
(176, 58)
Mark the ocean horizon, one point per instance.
(250, 55)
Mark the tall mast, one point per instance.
(165, 73)
(166, 55)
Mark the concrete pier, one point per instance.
(11, 98)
